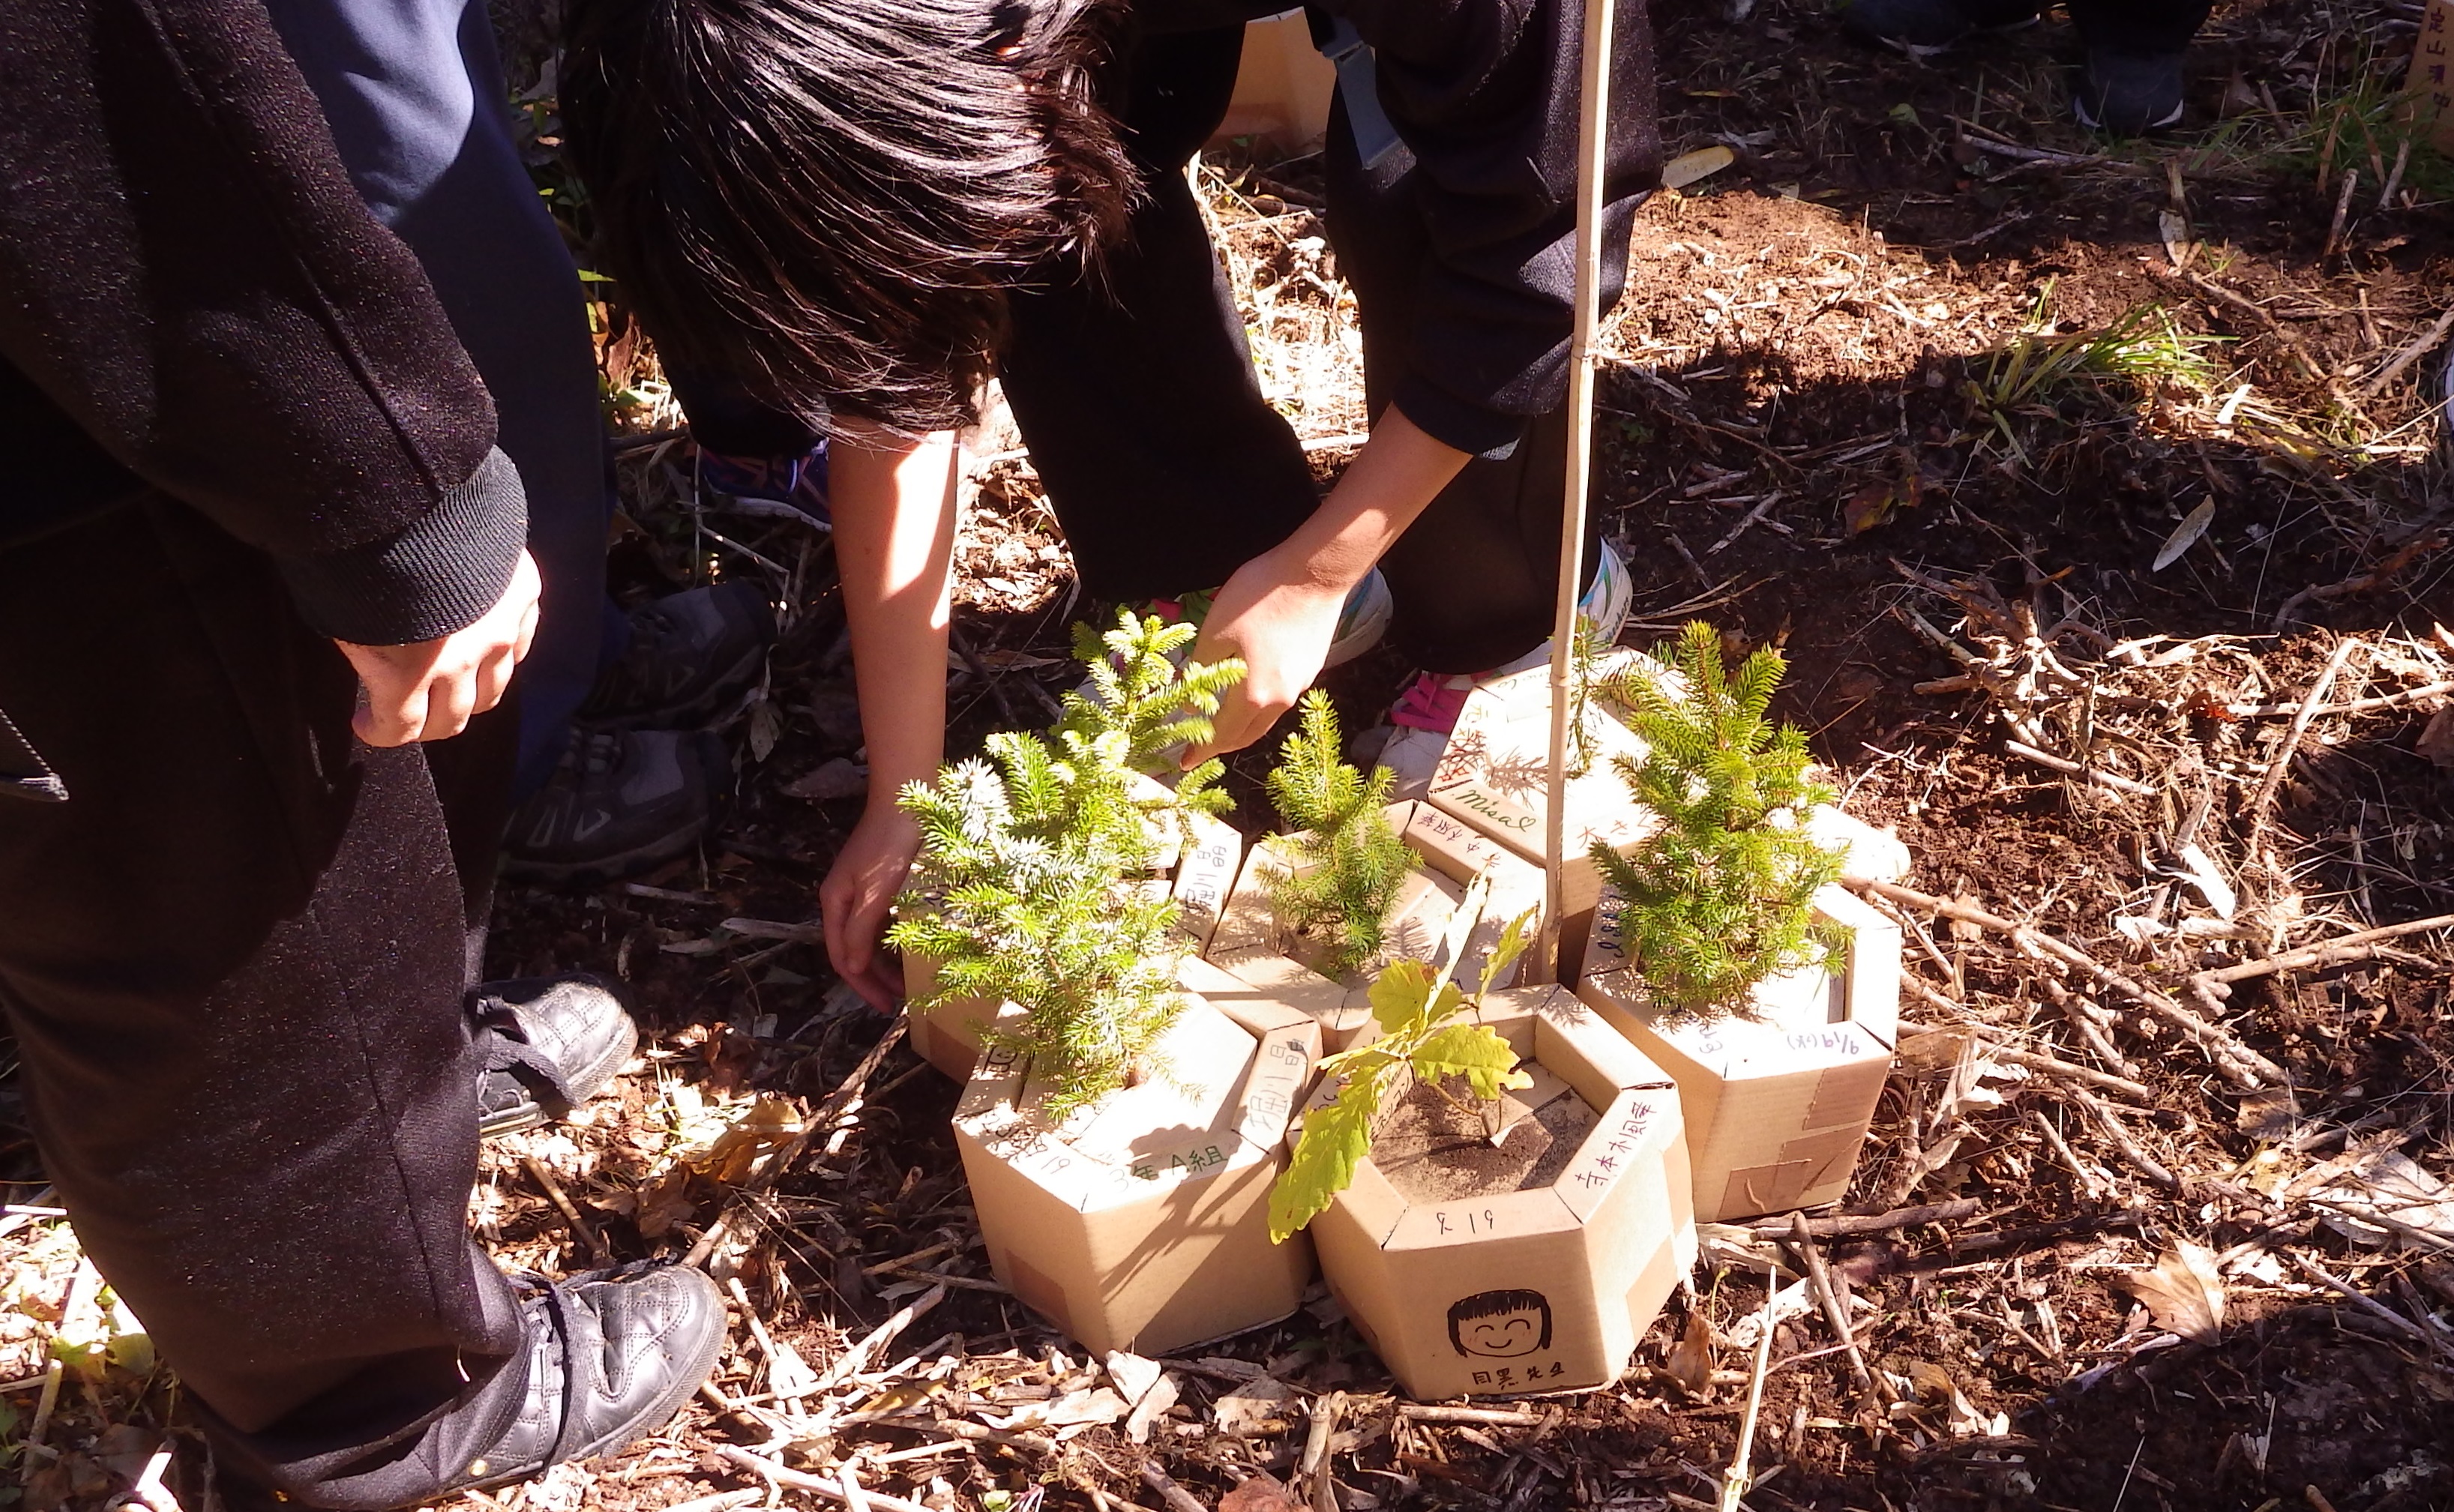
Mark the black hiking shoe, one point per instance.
(2128, 94)
(690, 657)
(551, 1043)
(613, 1354)
(1924, 28)
(621, 803)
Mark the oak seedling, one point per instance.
(1416, 1008)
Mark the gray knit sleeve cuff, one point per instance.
(439, 575)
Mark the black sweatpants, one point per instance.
(234, 962)
(2139, 27)
(1164, 464)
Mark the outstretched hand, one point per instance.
(430, 690)
(853, 900)
(1280, 623)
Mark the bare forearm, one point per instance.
(1391, 481)
(894, 504)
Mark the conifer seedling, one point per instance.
(1022, 891)
(1721, 898)
(1415, 1007)
(1352, 858)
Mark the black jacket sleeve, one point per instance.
(187, 271)
(1484, 93)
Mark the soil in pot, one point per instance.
(1433, 1151)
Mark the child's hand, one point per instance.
(1280, 623)
(853, 900)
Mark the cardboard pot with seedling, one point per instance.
(1092, 770)
(1723, 949)
(1121, 1133)
(1493, 778)
(1496, 1185)
(1354, 883)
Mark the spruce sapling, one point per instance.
(1354, 859)
(1022, 889)
(1721, 898)
(1414, 1006)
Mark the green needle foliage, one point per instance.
(1356, 858)
(1719, 900)
(1414, 1007)
(1024, 892)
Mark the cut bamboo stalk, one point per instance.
(1592, 129)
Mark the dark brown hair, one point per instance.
(821, 202)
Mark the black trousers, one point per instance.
(2139, 26)
(1163, 460)
(234, 962)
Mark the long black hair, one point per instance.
(823, 201)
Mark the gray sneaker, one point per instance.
(2128, 94)
(621, 803)
(550, 1044)
(691, 656)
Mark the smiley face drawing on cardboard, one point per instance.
(1502, 1325)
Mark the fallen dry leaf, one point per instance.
(1691, 1358)
(2436, 740)
(1254, 1409)
(2182, 1293)
(1262, 1491)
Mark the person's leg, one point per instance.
(1474, 578)
(2131, 82)
(232, 962)
(418, 107)
(1134, 389)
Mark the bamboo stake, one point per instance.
(1591, 133)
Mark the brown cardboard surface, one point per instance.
(2429, 81)
(1142, 1223)
(1205, 876)
(1775, 1107)
(1493, 776)
(1265, 974)
(1541, 1290)
(948, 1035)
(1282, 87)
(1455, 849)
(1417, 929)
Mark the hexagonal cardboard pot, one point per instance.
(1142, 1223)
(1545, 1287)
(948, 1035)
(1424, 924)
(1777, 1104)
(1493, 777)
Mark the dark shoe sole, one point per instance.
(586, 1084)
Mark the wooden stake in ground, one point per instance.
(1593, 106)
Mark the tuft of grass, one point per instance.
(2142, 351)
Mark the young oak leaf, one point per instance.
(1475, 1052)
(1398, 996)
(1513, 942)
(1336, 1139)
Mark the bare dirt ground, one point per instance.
(2134, 638)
